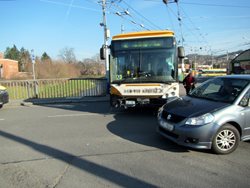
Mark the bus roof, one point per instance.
(143, 34)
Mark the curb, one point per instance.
(60, 101)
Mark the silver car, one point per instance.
(215, 115)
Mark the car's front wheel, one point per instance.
(226, 140)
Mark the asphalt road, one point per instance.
(91, 145)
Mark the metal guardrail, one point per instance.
(56, 88)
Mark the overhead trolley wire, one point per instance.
(126, 15)
(129, 17)
(216, 5)
(137, 12)
(205, 4)
(68, 4)
(194, 26)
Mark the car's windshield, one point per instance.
(220, 89)
(154, 65)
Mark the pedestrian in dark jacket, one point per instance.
(189, 82)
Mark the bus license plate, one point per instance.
(167, 126)
(130, 102)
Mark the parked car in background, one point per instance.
(4, 96)
(215, 115)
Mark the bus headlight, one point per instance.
(165, 96)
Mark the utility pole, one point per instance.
(106, 37)
(34, 74)
(33, 64)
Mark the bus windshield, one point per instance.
(143, 65)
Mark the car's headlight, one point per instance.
(201, 120)
(159, 112)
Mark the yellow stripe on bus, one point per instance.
(143, 34)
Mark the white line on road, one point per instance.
(1, 119)
(73, 115)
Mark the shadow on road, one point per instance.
(139, 126)
(83, 164)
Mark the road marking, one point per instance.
(1, 119)
(73, 115)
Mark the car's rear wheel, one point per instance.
(226, 140)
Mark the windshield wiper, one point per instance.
(118, 81)
(146, 74)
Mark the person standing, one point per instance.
(189, 82)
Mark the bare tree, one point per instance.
(67, 55)
(92, 66)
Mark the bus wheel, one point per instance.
(114, 102)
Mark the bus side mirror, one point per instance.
(103, 52)
(181, 52)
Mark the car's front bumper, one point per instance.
(198, 137)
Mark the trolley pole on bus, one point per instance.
(106, 37)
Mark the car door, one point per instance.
(245, 103)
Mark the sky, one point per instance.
(204, 27)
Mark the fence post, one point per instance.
(36, 88)
(28, 88)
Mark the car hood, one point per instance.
(192, 107)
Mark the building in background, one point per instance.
(8, 68)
